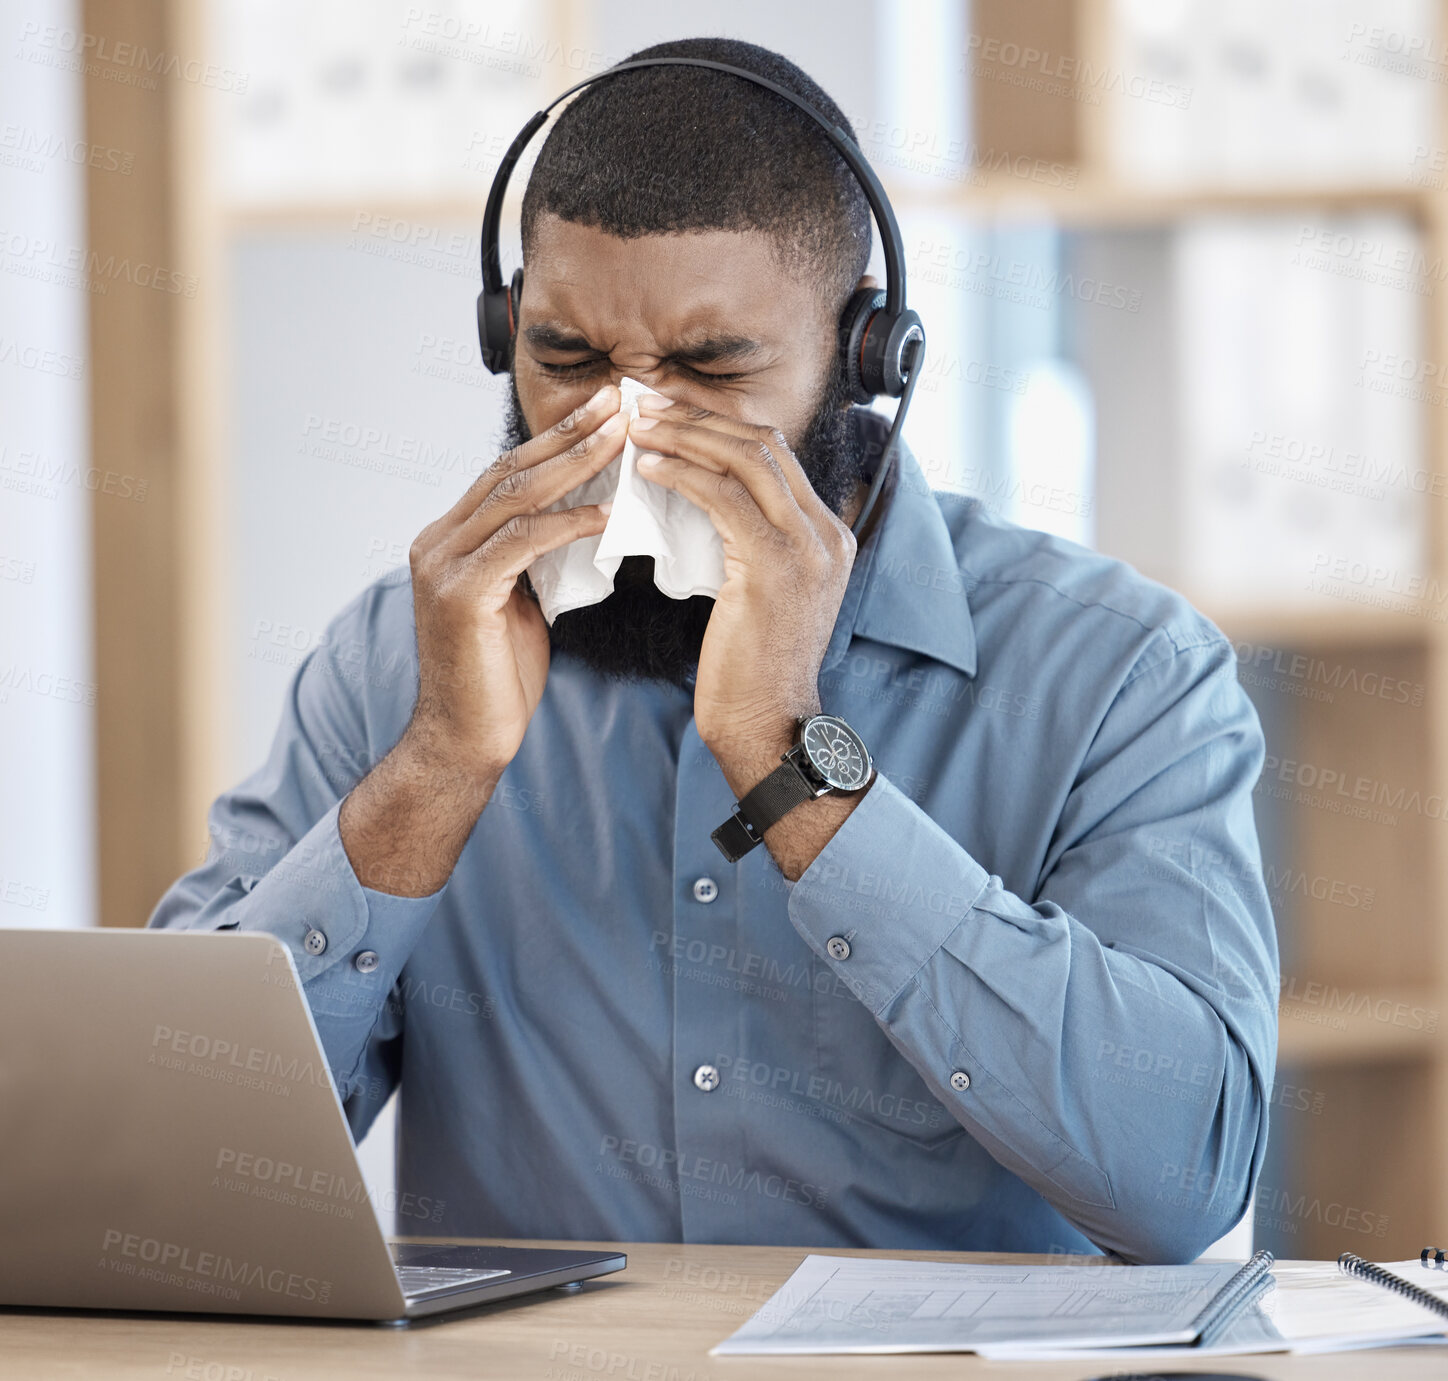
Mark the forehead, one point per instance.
(665, 285)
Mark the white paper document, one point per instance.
(863, 1305)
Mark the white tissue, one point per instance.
(648, 519)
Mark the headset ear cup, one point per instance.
(494, 338)
(855, 320)
(879, 356)
(498, 323)
(902, 330)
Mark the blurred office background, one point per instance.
(1182, 268)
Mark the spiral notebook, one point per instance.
(1420, 1291)
(1327, 1306)
(1311, 1307)
(841, 1304)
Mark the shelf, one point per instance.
(1098, 201)
(1338, 1024)
(1347, 626)
(340, 213)
(1092, 201)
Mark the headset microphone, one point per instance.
(881, 340)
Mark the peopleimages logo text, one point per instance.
(182, 1262)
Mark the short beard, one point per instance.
(638, 633)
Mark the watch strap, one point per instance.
(734, 838)
(778, 794)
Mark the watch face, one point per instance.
(836, 752)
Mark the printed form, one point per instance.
(862, 1305)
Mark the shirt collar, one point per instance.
(906, 587)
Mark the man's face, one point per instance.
(647, 308)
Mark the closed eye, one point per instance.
(565, 370)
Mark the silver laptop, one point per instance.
(171, 1139)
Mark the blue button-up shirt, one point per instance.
(1052, 1023)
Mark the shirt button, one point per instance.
(837, 947)
(315, 942)
(706, 1077)
(960, 1081)
(367, 961)
(705, 889)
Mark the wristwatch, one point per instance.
(828, 758)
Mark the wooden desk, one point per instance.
(655, 1321)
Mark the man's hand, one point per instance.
(787, 562)
(483, 653)
(482, 644)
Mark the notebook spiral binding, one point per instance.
(1355, 1265)
(1253, 1279)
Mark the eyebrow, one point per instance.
(708, 349)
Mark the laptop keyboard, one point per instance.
(423, 1280)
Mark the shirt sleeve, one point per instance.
(276, 863)
(1111, 1039)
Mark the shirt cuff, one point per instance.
(348, 942)
(892, 886)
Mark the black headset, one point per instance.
(876, 328)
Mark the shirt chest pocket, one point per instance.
(864, 1076)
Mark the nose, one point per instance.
(649, 378)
